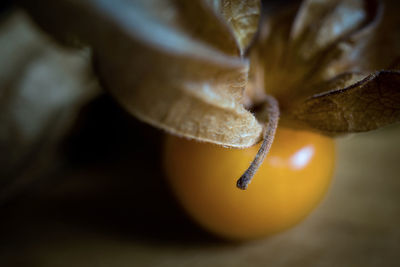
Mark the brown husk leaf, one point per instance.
(366, 105)
(316, 64)
(242, 16)
(180, 65)
(194, 68)
(174, 64)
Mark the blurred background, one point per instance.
(70, 160)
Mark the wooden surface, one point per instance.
(109, 206)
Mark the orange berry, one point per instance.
(289, 184)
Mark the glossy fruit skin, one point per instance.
(288, 186)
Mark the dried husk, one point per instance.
(362, 106)
(242, 16)
(174, 64)
(324, 66)
(182, 66)
(195, 68)
(309, 44)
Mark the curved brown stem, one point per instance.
(271, 109)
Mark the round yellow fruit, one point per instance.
(289, 184)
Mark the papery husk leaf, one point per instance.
(173, 64)
(242, 16)
(269, 58)
(382, 49)
(313, 43)
(366, 105)
(332, 43)
(320, 23)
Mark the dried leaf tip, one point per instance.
(271, 109)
